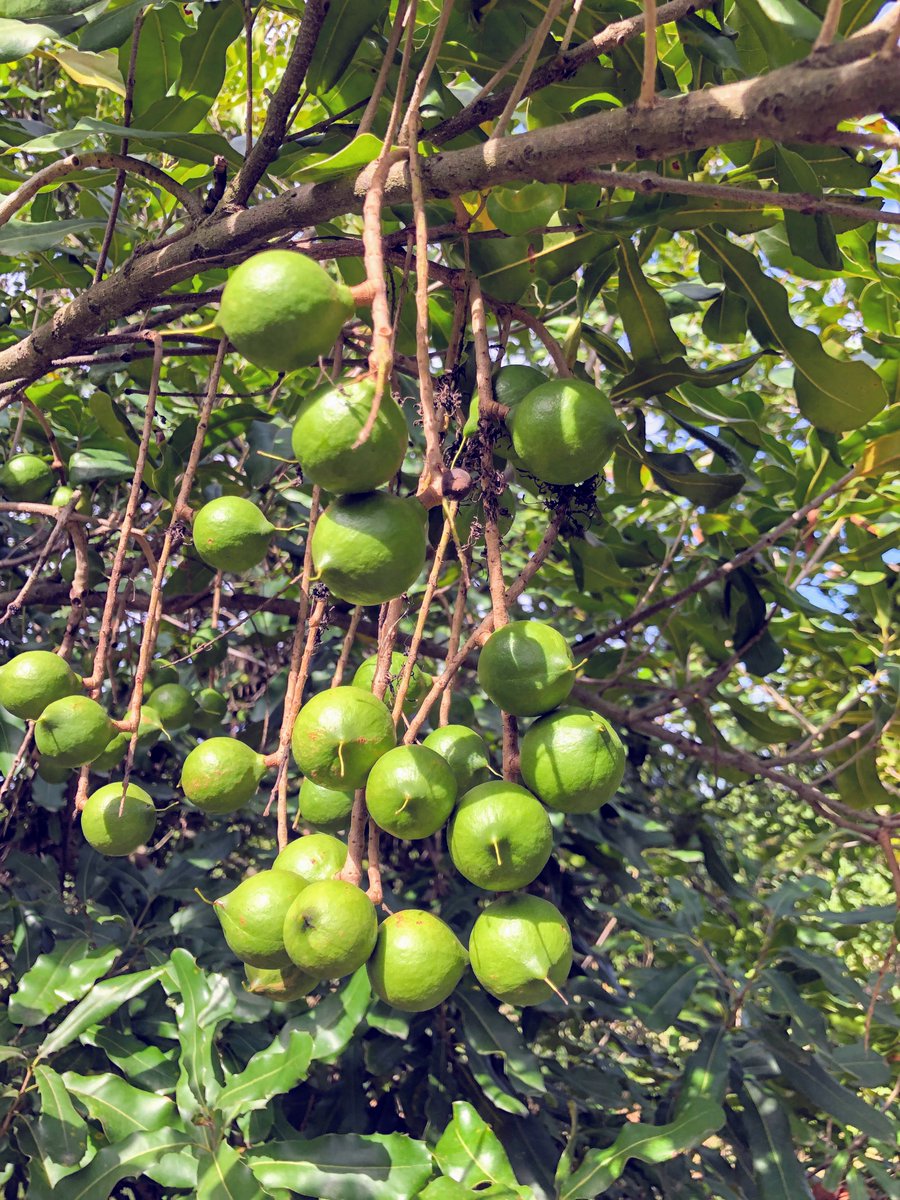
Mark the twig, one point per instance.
(518, 89)
(249, 19)
(890, 857)
(281, 105)
(346, 647)
(154, 609)
(127, 110)
(876, 990)
(648, 75)
(570, 27)
(375, 890)
(433, 466)
(452, 664)
(418, 633)
(102, 160)
(456, 623)
(292, 704)
(381, 358)
(646, 182)
(830, 23)
(409, 130)
(564, 66)
(63, 514)
(720, 572)
(95, 680)
(368, 118)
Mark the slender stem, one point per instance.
(95, 681)
(419, 632)
(173, 533)
(280, 107)
(249, 19)
(101, 160)
(347, 645)
(648, 76)
(830, 23)
(720, 572)
(382, 355)
(368, 118)
(452, 664)
(127, 109)
(534, 50)
(456, 623)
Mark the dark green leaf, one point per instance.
(58, 978)
(833, 394)
(272, 1071)
(104, 998)
(644, 314)
(119, 1107)
(225, 1176)
(659, 1001)
(18, 39)
(60, 1131)
(344, 1167)
(649, 1143)
(470, 1152)
(776, 1170)
(332, 1023)
(140, 1154)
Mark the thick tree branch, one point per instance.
(795, 103)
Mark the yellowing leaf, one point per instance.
(92, 70)
(881, 455)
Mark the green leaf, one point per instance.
(676, 473)
(449, 1189)
(206, 1000)
(344, 1167)
(119, 1107)
(489, 1032)
(226, 1177)
(861, 1061)
(517, 211)
(470, 1152)
(649, 1143)
(644, 313)
(725, 321)
(811, 237)
(58, 978)
(806, 1075)
(17, 40)
(665, 993)
(86, 466)
(146, 1066)
(30, 10)
(776, 1170)
(31, 237)
(136, 1156)
(60, 1131)
(834, 395)
(350, 160)
(333, 1022)
(104, 998)
(203, 53)
(346, 24)
(272, 1071)
(158, 65)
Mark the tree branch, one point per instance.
(102, 160)
(794, 103)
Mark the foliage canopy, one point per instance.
(689, 208)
